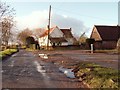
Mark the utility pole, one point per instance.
(49, 28)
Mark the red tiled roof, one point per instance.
(109, 33)
(46, 32)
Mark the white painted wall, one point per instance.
(64, 44)
(70, 41)
(56, 33)
(43, 41)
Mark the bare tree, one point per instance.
(6, 11)
(6, 30)
(37, 32)
(6, 22)
(23, 35)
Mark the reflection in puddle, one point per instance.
(67, 72)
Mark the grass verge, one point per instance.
(97, 76)
(30, 49)
(6, 53)
(106, 51)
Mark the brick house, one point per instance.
(105, 37)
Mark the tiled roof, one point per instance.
(67, 33)
(109, 33)
(46, 32)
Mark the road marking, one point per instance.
(40, 68)
(46, 78)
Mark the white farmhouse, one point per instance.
(57, 37)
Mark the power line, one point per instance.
(78, 14)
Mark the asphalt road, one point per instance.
(25, 70)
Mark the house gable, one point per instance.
(67, 33)
(56, 33)
(95, 35)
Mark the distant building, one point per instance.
(106, 37)
(57, 37)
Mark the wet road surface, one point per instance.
(25, 70)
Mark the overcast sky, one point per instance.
(80, 16)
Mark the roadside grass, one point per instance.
(30, 49)
(7, 52)
(96, 76)
(106, 51)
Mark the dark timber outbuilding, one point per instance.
(106, 37)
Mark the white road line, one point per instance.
(40, 68)
(46, 78)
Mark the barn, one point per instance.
(105, 37)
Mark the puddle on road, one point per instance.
(67, 72)
(14, 55)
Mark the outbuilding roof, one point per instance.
(108, 33)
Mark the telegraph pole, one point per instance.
(49, 27)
